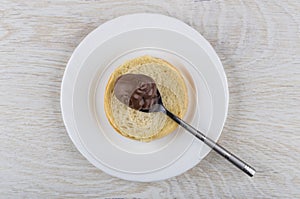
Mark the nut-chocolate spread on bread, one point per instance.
(136, 91)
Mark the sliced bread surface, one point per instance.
(147, 126)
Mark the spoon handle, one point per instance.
(216, 147)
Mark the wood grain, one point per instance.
(259, 45)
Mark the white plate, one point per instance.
(88, 71)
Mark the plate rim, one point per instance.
(72, 58)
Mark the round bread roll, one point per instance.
(147, 126)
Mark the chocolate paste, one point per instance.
(136, 91)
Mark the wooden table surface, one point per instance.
(258, 43)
